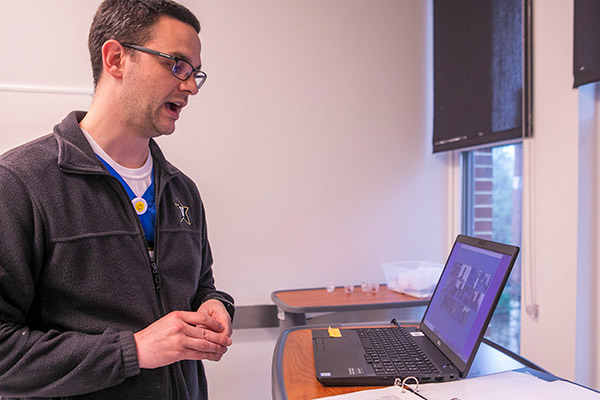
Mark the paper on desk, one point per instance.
(505, 385)
(389, 393)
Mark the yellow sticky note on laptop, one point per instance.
(334, 332)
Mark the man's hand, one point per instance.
(183, 335)
(215, 309)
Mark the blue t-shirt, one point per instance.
(144, 206)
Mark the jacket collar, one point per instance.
(75, 153)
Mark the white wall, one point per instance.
(310, 141)
(44, 51)
(554, 156)
(561, 198)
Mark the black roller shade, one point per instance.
(479, 72)
(586, 42)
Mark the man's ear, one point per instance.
(113, 54)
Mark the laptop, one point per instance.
(444, 345)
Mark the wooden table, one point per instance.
(294, 304)
(293, 369)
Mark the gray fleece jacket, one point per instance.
(76, 280)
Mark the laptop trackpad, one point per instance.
(338, 356)
(331, 344)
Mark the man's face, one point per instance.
(153, 97)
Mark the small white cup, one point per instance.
(330, 288)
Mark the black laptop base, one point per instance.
(368, 368)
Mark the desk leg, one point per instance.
(288, 320)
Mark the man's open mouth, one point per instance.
(176, 107)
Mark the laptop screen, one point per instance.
(464, 296)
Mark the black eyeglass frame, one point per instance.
(199, 76)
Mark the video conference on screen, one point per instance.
(464, 292)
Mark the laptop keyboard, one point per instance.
(392, 351)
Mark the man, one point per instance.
(106, 287)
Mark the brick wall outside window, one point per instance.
(482, 194)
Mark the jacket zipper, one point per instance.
(157, 280)
(155, 273)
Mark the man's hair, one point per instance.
(130, 21)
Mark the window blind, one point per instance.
(481, 67)
(586, 42)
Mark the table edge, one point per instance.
(343, 307)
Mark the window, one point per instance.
(482, 97)
(492, 209)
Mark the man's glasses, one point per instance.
(181, 68)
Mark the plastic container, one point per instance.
(415, 278)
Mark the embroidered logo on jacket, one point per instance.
(183, 212)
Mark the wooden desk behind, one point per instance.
(294, 304)
(293, 369)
